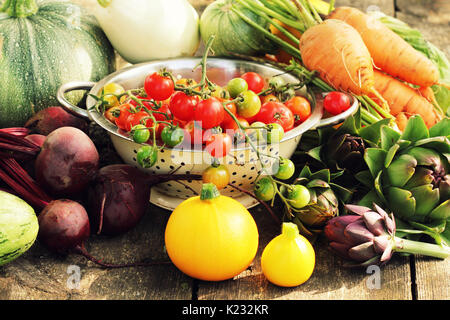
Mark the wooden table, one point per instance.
(41, 275)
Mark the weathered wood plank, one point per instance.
(432, 278)
(41, 275)
(435, 11)
(330, 279)
(386, 6)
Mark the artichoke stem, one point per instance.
(421, 248)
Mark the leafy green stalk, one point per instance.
(306, 15)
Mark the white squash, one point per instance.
(144, 30)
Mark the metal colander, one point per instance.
(242, 162)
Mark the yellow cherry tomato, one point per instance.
(220, 93)
(219, 175)
(109, 91)
(288, 260)
(211, 237)
(186, 82)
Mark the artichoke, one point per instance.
(369, 238)
(348, 152)
(325, 199)
(344, 147)
(409, 173)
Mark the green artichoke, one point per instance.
(325, 200)
(409, 173)
(347, 152)
(343, 148)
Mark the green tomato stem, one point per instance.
(258, 154)
(150, 112)
(277, 220)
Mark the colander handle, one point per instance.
(332, 121)
(70, 86)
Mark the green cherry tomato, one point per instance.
(264, 189)
(276, 83)
(257, 134)
(275, 133)
(249, 105)
(140, 133)
(172, 136)
(147, 156)
(298, 196)
(286, 169)
(236, 86)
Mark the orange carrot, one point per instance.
(337, 52)
(404, 101)
(401, 120)
(389, 51)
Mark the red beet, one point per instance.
(67, 162)
(49, 119)
(63, 225)
(64, 228)
(119, 197)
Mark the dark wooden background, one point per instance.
(41, 275)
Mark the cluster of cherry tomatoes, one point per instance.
(178, 112)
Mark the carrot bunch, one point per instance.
(399, 65)
(354, 52)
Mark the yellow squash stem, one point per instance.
(289, 230)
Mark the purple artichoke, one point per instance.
(368, 238)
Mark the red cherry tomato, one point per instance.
(232, 108)
(232, 125)
(158, 87)
(232, 129)
(147, 104)
(269, 97)
(163, 113)
(336, 102)
(124, 112)
(112, 113)
(136, 118)
(194, 133)
(300, 107)
(276, 112)
(255, 82)
(219, 145)
(209, 113)
(183, 106)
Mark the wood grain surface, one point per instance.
(39, 274)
